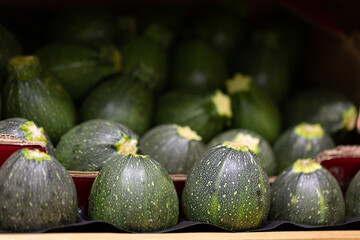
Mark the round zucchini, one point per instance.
(125, 99)
(29, 94)
(206, 114)
(332, 110)
(174, 146)
(302, 141)
(87, 146)
(307, 193)
(36, 193)
(24, 129)
(228, 187)
(253, 109)
(135, 193)
(144, 53)
(77, 67)
(352, 197)
(161, 23)
(269, 70)
(256, 143)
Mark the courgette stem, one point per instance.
(23, 68)
(36, 155)
(309, 131)
(305, 166)
(349, 118)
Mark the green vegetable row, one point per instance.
(209, 100)
(227, 187)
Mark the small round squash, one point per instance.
(228, 187)
(174, 146)
(307, 193)
(36, 192)
(134, 192)
(302, 141)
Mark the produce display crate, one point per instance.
(341, 51)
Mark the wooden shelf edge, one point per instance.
(301, 235)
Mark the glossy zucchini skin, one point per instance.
(31, 95)
(228, 187)
(191, 109)
(256, 111)
(17, 127)
(36, 193)
(291, 146)
(123, 99)
(313, 198)
(268, 68)
(352, 197)
(177, 153)
(77, 67)
(331, 109)
(134, 192)
(87, 146)
(144, 53)
(261, 147)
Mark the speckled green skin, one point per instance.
(265, 152)
(41, 100)
(190, 109)
(352, 197)
(176, 153)
(134, 193)
(148, 54)
(269, 70)
(35, 195)
(9, 47)
(12, 126)
(228, 188)
(122, 99)
(310, 198)
(256, 111)
(77, 67)
(197, 66)
(290, 146)
(318, 106)
(87, 146)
